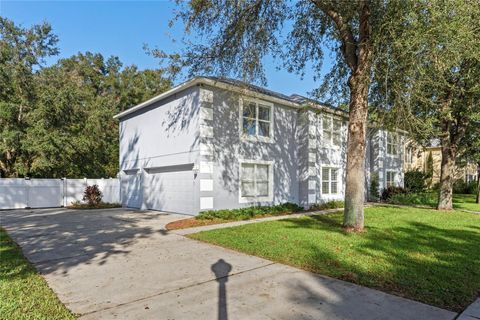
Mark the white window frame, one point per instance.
(409, 155)
(396, 143)
(394, 181)
(332, 119)
(270, 182)
(330, 180)
(256, 137)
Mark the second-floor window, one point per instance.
(256, 119)
(392, 144)
(332, 131)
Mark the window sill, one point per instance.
(256, 139)
(393, 156)
(255, 199)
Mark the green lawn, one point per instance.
(24, 294)
(421, 254)
(466, 202)
(460, 201)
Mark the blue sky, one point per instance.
(121, 28)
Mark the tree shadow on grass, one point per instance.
(437, 266)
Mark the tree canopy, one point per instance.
(427, 77)
(56, 121)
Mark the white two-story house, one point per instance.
(215, 143)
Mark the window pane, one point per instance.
(334, 187)
(248, 189)
(389, 148)
(249, 126)
(327, 137)
(337, 139)
(262, 189)
(333, 174)
(326, 121)
(262, 172)
(337, 125)
(325, 187)
(264, 129)
(248, 172)
(249, 110)
(264, 113)
(325, 173)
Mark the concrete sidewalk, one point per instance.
(472, 312)
(255, 220)
(120, 264)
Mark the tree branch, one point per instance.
(349, 44)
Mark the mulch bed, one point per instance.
(192, 222)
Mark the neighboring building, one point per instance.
(214, 143)
(416, 158)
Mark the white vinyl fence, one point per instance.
(48, 193)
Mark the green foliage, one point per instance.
(430, 199)
(410, 252)
(426, 75)
(462, 187)
(22, 51)
(249, 212)
(373, 192)
(420, 199)
(24, 294)
(100, 205)
(415, 180)
(333, 204)
(66, 127)
(391, 191)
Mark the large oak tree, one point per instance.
(236, 36)
(428, 72)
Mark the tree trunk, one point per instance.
(355, 179)
(449, 153)
(478, 184)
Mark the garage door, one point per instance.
(170, 188)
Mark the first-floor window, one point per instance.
(391, 175)
(329, 180)
(255, 180)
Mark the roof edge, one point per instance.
(159, 97)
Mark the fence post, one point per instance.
(27, 192)
(64, 191)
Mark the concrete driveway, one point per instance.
(122, 264)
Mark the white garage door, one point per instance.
(170, 189)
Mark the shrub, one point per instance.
(462, 187)
(424, 199)
(92, 195)
(374, 186)
(101, 205)
(415, 181)
(249, 212)
(391, 191)
(333, 204)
